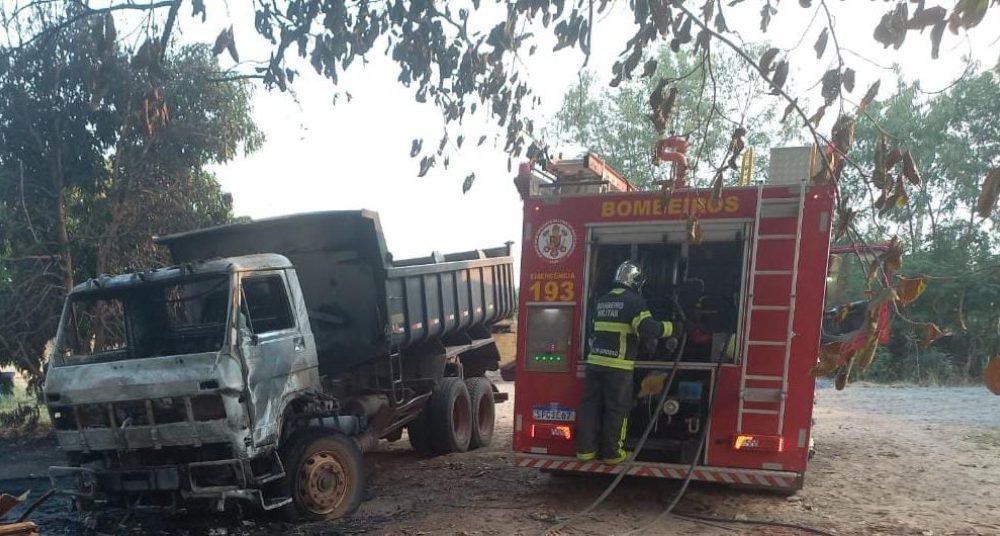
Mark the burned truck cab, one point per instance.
(165, 384)
(266, 371)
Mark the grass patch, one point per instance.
(20, 396)
(15, 402)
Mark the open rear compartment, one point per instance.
(703, 286)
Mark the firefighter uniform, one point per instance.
(621, 321)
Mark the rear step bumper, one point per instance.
(751, 478)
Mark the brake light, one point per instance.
(760, 443)
(551, 431)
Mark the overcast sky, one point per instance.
(320, 156)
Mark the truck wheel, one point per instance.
(324, 476)
(450, 416)
(419, 431)
(483, 411)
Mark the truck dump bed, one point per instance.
(362, 304)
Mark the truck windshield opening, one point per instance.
(149, 320)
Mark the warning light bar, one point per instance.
(551, 431)
(759, 443)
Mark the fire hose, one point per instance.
(626, 465)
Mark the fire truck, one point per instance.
(747, 270)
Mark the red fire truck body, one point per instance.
(762, 260)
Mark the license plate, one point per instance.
(553, 413)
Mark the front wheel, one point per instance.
(324, 476)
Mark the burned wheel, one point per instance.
(483, 411)
(419, 431)
(324, 476)
(450, 416)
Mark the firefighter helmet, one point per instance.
(629, 275)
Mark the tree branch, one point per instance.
(91, 12)
(753, 63)
(168, 27)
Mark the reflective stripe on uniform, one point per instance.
(612, 362)
(617, 291)
(639, 318)
(668, 328)
(622, 329)
(613, 327)
(621, 437)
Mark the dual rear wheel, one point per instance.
(459, 417)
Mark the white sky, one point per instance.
(356, 155)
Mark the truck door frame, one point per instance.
(268, 358)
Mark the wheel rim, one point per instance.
(323, 483)
(461, 420)
(484, 415)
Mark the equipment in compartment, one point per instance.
(698, 284)
(681, 421)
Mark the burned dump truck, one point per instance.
(267, 360)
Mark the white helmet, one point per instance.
(629, 275)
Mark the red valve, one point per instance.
(672, 149)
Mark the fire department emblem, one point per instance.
(555, 241)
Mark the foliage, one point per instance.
(98, 152)
(615, 124)
(956, 140)
(463, 56)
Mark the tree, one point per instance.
(614, 122)
(954, 138)
(101, 148)
(463, 56)
(465, 60)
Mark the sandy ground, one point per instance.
(890, 461)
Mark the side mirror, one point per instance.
(250, 338)
(245, 333)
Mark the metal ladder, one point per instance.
(396, 382)
(793, 275)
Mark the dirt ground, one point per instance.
(890, 460)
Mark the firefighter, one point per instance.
(621, 323)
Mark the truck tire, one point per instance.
(450, 416)
(419, 432)
(324, 476)
(483, 411)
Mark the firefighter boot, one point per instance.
(617, 459)
(586, 456)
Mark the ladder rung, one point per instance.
(779, 200)
(769, 307)
(782, 211)
(763, 378)
(761, 411)
(773, 272)
(780, 215)
(766, 343)
(777, 237)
